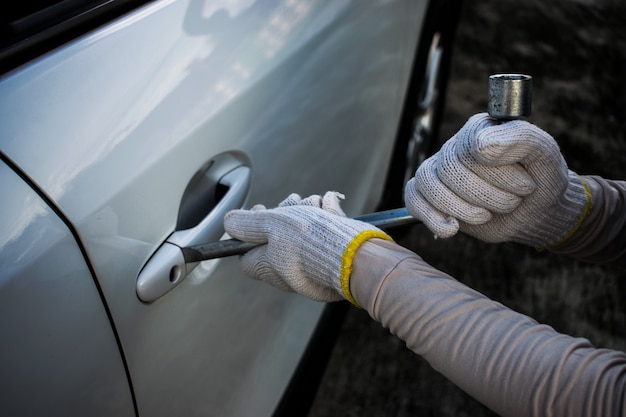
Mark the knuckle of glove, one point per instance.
(516, 141)
(291, 200)
(331, 202)
(496, 188)
(466, 136)
(441, 224)
(312, 201)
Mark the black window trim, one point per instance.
(32, 36)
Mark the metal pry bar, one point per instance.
(381, 219)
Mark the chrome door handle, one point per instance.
(211, 228)
(167, 268)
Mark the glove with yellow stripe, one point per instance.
(499, 182)
(307, 245)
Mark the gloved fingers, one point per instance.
(291, 200)
(332, 202)
(295, 200)
(247, 225)
(497, 189)
(442, 198)
(312, 201)
(531, 147)
(329, 202)
(441, 224)
(513, 142)
(513, 179)
(472, 127)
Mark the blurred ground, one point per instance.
(575, 50)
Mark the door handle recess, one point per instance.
(167, 268)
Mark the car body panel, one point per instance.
(59, 353)
(114, 126)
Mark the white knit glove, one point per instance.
(310, 245)
(499, 182)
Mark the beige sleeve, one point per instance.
(602, 236)
(504, 359)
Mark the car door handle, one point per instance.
(167, 268)
(211, 228)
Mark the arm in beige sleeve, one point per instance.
(504, 359)
(602, 236)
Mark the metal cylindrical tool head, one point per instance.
(510, 96)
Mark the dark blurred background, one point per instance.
(576, 52)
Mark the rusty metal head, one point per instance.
(510, 96)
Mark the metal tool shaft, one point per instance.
(382, 219)
(509, 99)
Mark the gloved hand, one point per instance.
(310, 245)
(499, 182)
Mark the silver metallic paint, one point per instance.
(114, 125)
(58, 354)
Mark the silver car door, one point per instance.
(58, 352)
(119, 128)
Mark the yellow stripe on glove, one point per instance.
(348, 258)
